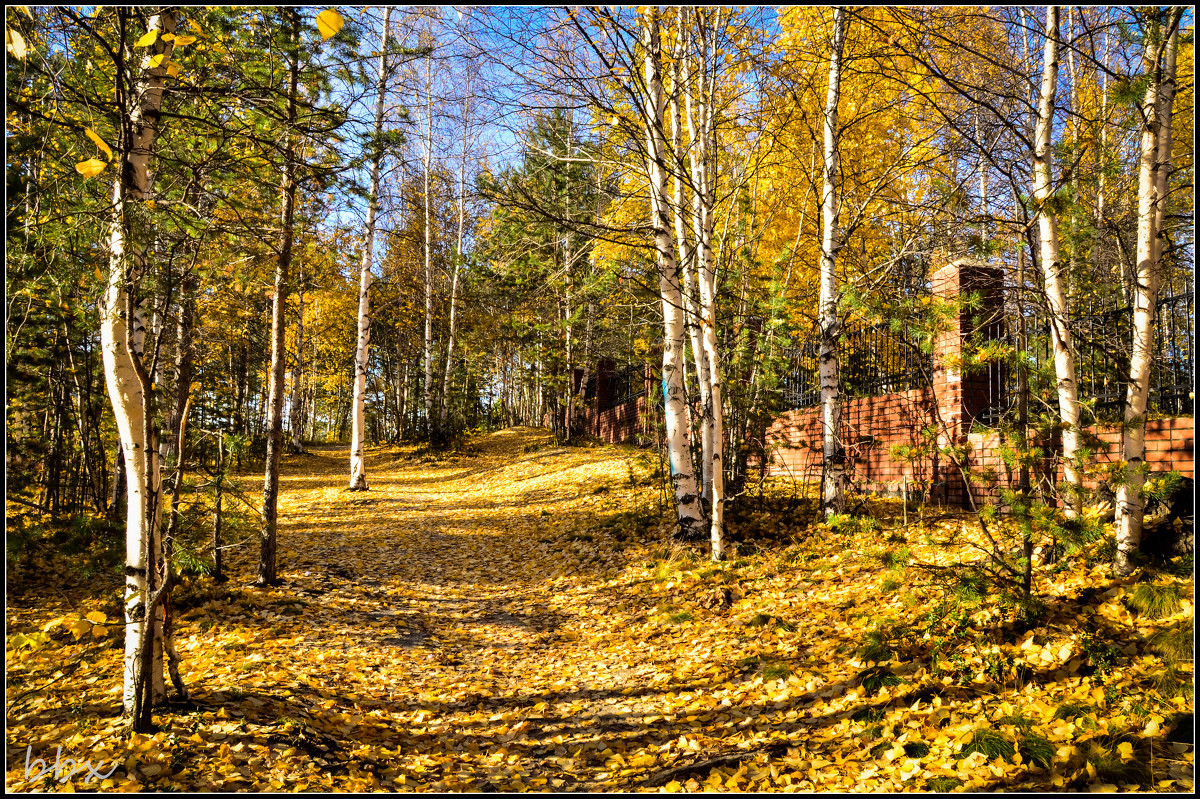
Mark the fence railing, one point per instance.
(624, 385)
(1102, 343)
(872, 360)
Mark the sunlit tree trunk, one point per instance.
(1154, 171)
(683, 478)
(283, 262)
(430, 414)
(702, 157)
(295, 415)
(122, 335)
(1053, 275)
(458, 259)
(833, 453)
(358, 433)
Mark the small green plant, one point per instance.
(1113, 766)
(1176, 643)
(679, 618)
(775, 671)
(876, 678)
(1174, 681)
(875, 647)
(916, 749)
(1101, 655)
(759, 620)
(1071, 710)
(889, 585)
(1036, 749)
(1156, 601)
(944, 784)
(989, 743)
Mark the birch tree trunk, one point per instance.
(833, 453)
(295, 416)
(1052, 274)
(358, 470)
(274, 422)
(458, 257)
(702, 157)
(683, 479)
(122, 333)
(428, 164)
(686, 253)
(1153, 174)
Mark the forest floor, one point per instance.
(514, 617)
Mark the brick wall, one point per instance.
(871, 426)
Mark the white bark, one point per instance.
(358, 433)
(1052, 274)
(428, 164)
(683, 479)
(1153, 173)
(462, 212)
(833, 453)
(702, 154)
(294, 415)
(122, 332)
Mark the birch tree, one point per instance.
(833, 453)
(130, 389)
(358, 474)
(1053, 274)
(1161, 37)
(683, 478)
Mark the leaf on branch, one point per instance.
(15, 43)
(147, 40)
(91, 134)
(157, 60)
(329, 22)
(91, 167)
(183, 41)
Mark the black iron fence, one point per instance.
(872, 360)
(624, 385)
(1103, 344)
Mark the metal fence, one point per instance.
(1102, 353)
(624, 385)
(872, 360)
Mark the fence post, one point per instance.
(959, 399)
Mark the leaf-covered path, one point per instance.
(510, 617)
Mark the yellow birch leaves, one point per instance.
(329, 22)
(94, 166)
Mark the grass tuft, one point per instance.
(873, 679)
(1156, 601)
(1176, 643)
(1036, 749)
(990, 744)
(875, 648)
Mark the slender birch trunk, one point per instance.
(1153, 175)
(683, 478)
(687, 254)
(274, 421)
(358, 469)
(122, 333)
(458, 257)
(833, 453)
(295, 416)
(428, 164)
(702, 157)
(1052, 274)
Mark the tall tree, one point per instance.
(358, 472)
(130, 388)
(283, 261)
(1053, 272)
(1160, 37)
(833, 452)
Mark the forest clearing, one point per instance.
(598, 398)
(508, 618)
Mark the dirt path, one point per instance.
(456, 628)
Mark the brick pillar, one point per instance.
(959, 398)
